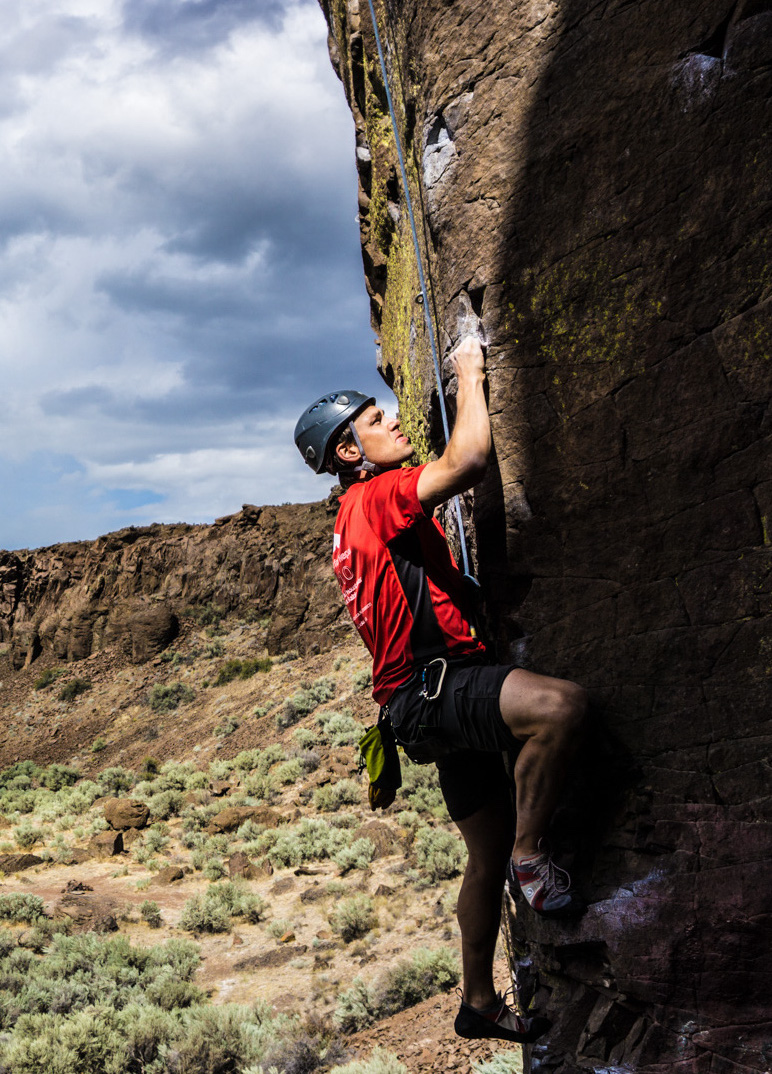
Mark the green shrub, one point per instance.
(311, 840)
(279, 928)
(501, 1063)
(259, 760)
(166, 804)
(165, 698)
(115, 781)
(57, 776)
(340, 728)
(260, 785)
(287, 656)
(226, 727)
(353, 917)
(305, 700)
(206, 614)
(214, 869)
(238, 901)
(289, 772)
(408, 982)
(440, 855)
(151, 913)
(46, 678)
(357, 856)
(242, 669)
(202, 914)
(21, 907)
(26, 835)
(304, 738)
(329, 799)
(73, 689)
(356, 1007)
(362, 679)
(421, 789)
(98, 745)
(102, 1007)
(415, 979)
(380, 1062)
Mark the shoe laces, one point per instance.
(551, 875)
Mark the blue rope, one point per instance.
(424, 293)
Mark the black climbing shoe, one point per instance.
(499, 1022)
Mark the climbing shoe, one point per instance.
(500, 1022)
(545, 886)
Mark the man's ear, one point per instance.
(348, 453)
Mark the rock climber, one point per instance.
(445, 700)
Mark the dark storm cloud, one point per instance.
(189, 25)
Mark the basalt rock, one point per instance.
(130, 588)
(591, 183)
(124, 813)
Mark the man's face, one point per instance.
(382, 439)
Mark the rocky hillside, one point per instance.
(131, 588)
(592, 181)
(204, 806)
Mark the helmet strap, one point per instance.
(365, 465)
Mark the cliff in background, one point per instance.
(592, 180)
(129, 588)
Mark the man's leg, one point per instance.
(548, 716)
(488, 835)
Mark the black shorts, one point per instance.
(461, 730)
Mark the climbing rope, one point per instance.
(424, 293)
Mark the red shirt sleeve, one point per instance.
(390, 502)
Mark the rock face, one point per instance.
(592, 181)
(129, 588)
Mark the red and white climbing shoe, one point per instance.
(499, 1021)
(545, 886)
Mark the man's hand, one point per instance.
(465, 459)
(468, 358)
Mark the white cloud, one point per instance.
(178, 258)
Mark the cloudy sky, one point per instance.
(179, 259)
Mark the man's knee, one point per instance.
(564, 709)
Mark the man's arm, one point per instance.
(465, 459)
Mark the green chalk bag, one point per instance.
(378, 754)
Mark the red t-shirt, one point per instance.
(399, 580)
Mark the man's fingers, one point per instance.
(468, 353)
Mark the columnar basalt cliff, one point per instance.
(592, 181)
(129, 588)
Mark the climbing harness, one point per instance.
(424, 293)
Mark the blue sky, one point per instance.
(179, 259)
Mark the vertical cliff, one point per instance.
(592, 180)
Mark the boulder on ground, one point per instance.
(381, 835)
(240, 865)
(228, 820)
(87, 912)
(106, 844)
(170, 875)
(14, 863)
(123, 813)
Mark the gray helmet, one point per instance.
(317, 426)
